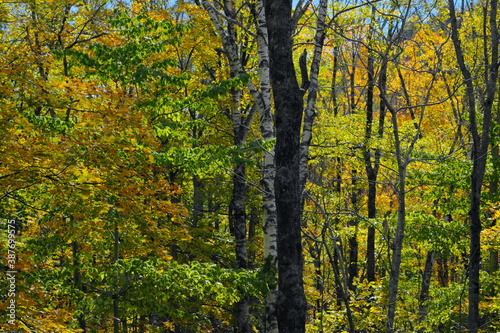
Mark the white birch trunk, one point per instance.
(240, 130)
(268, 169)
(310, 109)
(262, 100)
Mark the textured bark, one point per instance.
(480, 143)
(238, 215)
(268, 167)
(238, 212)
(288, 101)
(241, 126)
(398, 246)
(311, 84)
(426, 283)
(262, 100)
(371, 170)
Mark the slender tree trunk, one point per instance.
(78, 281)
(398, 247)
(241, 126)
(372, 159)
(238, 215)
(426, 283)
(288, 101)
(352, 83)
(341, 283)
(495, 182)
(371, 171)
(334, 88)
(197, 201)
(238, 212)
(480, 143)
(313, 87)
(372, 156)
(115, 296)
(495, 156)
(353, 240)
(268, 168)
(402, 159)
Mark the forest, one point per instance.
(270, 166)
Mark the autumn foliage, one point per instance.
(119, 146)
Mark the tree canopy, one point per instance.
(260, 166)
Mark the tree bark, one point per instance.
(480, 143)
(398, 245)
(426, 283)
(372, 157)
(371, 170)
(268, 168)
(312, 87)
(288, 101)
(241, 126)
(341, 283)
(353, 269)
(262, 100)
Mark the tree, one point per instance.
(288, 105)
(137, 173)
(486, 90)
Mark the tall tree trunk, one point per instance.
(262, 100)
(371, 171)
(398, 245)
(238, 211)
(402, 159)
(268, 168)
(334, 88)
(480, 143)
(241, 127)
(288, 101)
(372, 158)
(313, 87)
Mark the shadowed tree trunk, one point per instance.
(241, 125)
(480, 140)
(426, 283)
(288, 101)
(372, 156)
